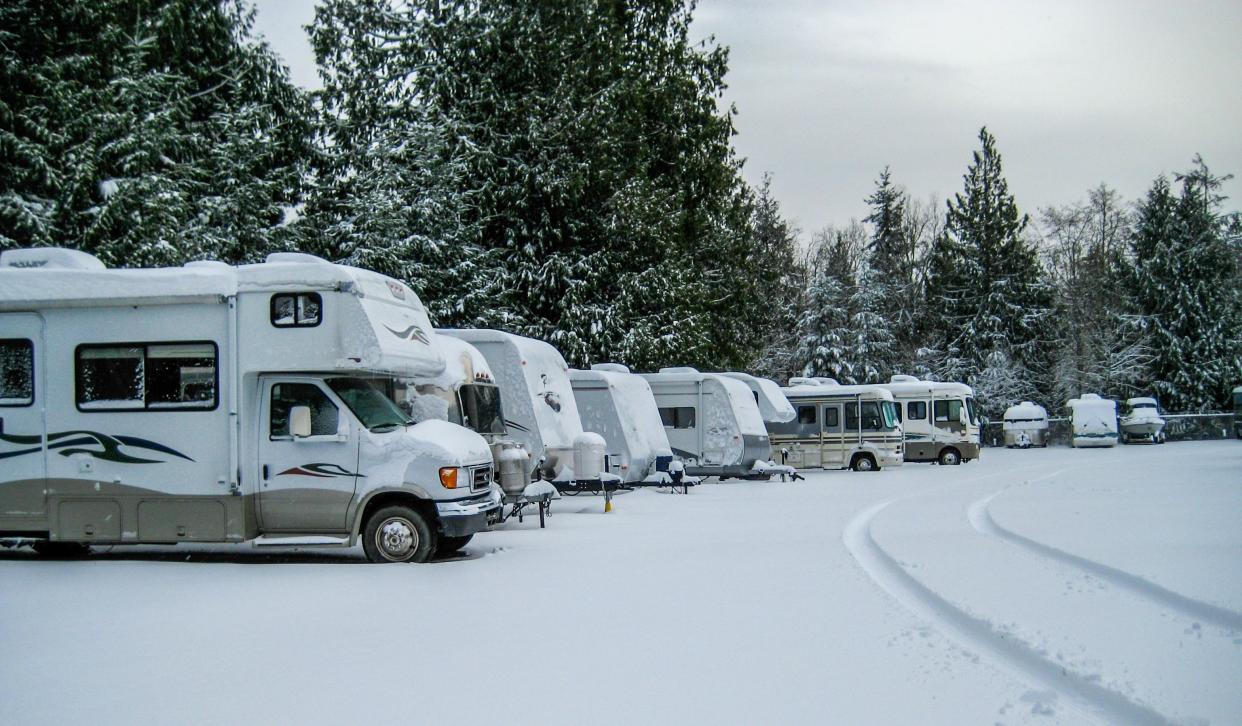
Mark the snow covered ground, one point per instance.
(1046, 586)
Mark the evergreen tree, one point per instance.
(825, 328)
(1184, 270)
(985, 278)
(147, 132)
(777, 249)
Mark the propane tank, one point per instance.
(511, 461)
(589, 451)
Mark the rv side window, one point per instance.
(296, 310)
(916, 410)
(897, 412)
(832, 417)
(870, 416)
(948, 411)
(155, 376)
(324, 414)
(16, 373)
(806, 414)
(680, 417)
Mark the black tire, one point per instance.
(398, 534)
(61, 550)
(452, 544)
(863, 462)
(950, 457)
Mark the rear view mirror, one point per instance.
(300, 421)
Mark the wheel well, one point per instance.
(862, 455)
(946, 449)
(385, 499)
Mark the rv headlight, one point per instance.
(448, 477)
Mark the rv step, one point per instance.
(312, 541)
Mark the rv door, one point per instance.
(834, 436)
(308, 457)
(23, 449)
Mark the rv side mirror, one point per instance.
(300, 421)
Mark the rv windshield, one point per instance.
(891, 414)
(480, 405)
(375, 410)
(970, 410)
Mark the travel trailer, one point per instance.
(1025, 425)
(619, 406)
(1093, 421)
(712, 422)
(939, 419)
(211, 403)
(1142, 421)
(540, 410)
(773, 405)
(838, 426)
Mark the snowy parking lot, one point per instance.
(1042, 586)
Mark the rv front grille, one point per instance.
(480, 478)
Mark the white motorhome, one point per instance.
(619, 406)
(712, 422)
(540, 410)
(1093, 421)
(839, 426)
(773, 405)
(940, 421)
(1025, 425)
(211, 403)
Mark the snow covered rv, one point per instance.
(1093, 421)
(839, 426)
(619, 406)
(466, 394)
(773, 405)
(1025, 425)
(211, 403)
(939, 419)
(540, 410)
(712, 422)
(1142, 421)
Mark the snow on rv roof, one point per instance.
(903, 384)
(818, 390)
(772, 403)
(1026, 410)
(26, 285)
(463, 363)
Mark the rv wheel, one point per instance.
(863, 462)
(398, 534)
(452, 544)
(950, 457)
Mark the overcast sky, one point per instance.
(1076, 93)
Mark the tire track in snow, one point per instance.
(982, 520)
(1084, 696)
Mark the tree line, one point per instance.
(566, 171)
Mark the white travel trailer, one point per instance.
(1025, 425)
(1142, 421)
(773, 405)
(939, 419)
(712, 422)
(212, 403)
(540, 410)
(1093, 421)
(839, 426)
(619, 406)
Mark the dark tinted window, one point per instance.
(296, 310)
(916, 410)
(16, 373)
(679, 417)
(806, 414)
(948, 411)
(870, 416)
(151, 376)
(285, 396)
(832, 417)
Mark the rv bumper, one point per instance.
(467, 516)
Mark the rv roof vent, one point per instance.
(826, 381)
(610, 368)
(295, 257)
(1090, 396)
(900, 378)
(801, 381)
(679, 369)
(208, 265)
(50, 257)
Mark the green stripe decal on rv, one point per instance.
(68, 443)
(321, 470)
